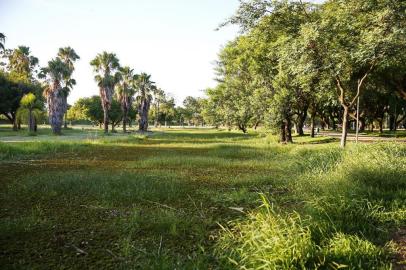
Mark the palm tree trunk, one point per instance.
(125, 113)
(56, 109)
(65, 124)
(106, 120)
(143, 111)
(157, 115)
(30, 121)
(65, 110)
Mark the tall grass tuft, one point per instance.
(268, 240)
(346, 207)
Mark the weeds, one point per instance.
(156, 202)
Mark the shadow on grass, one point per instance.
(151, 203)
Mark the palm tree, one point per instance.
(159, 97)
(22, 62)
(69, 57)
(125, 92)
(55, 73)
(144, 87)
(2, 41)
(106, 65)
(29, 106)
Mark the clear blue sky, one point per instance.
(174, 40)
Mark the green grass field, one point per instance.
(201, 199)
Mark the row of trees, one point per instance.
(163, 111)
(25, 90)
(296, 60)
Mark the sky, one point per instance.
(173, 40)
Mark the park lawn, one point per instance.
(201, 199)
(44, 134)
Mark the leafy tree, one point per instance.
(192, 110)
(291, 55)
(211, 112)
(91, 109)
(106, 65)
(87, 109)
(356, 37)
(167, 111)
(16, 81)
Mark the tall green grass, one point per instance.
(349, 204)
(156, 202)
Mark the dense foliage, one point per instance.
(295, 59)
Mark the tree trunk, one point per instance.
(380, 122)
(392, 122)
(30, 121)
(12, 118)
(157, 116)
(143, 112)
(242, 128)
(300, 123)
(56, 108)
(106, 95)
(325, 123)
(65, 124)
(333, 123)
(312, 125)
(362, 124)
(288, 128)
(371, 127)
(345, 127)
(282, 133)
(125, 113)
(106, 120)
(15, 127)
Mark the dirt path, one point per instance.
(363, 138)
(73, 137)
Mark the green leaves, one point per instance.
(28, 100)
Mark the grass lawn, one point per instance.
(200, 199)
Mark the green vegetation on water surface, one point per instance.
(201, 199)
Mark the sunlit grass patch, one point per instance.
(155, 201)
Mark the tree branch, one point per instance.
(341, 96)
(361, 82)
